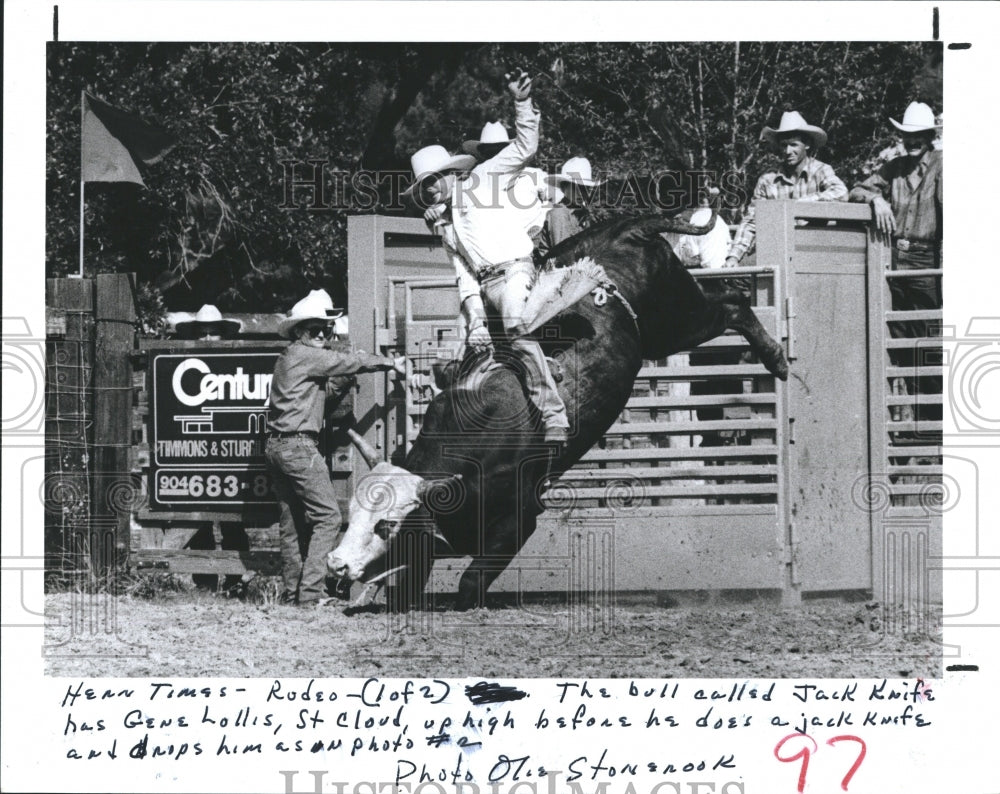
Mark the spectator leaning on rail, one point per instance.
(488, 242)
(801, 176)
(905, 196)
(310, 517)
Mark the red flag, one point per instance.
(113, 141)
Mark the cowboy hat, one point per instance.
(317, 305)
(576, 171)
(492, 139)
(792, 121)
(208, 321)
(917, 118)
(434, 161)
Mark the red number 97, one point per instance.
(805, 752)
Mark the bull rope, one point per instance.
(601, 293)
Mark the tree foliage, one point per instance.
(211, 226)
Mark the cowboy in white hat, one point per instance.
(486, 236)
(570, 191)
(905, 196)
(310, 517)
(208, 324)
(801, 176)
(492, 140)
(920, 162)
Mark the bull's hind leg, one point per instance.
(503, 541)
(740, 317)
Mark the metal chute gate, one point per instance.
(715, 477)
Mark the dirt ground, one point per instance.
(185, 632)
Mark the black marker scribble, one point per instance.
(962, 668)
(492, 693)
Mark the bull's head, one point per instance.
(382, 499)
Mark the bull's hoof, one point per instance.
(776, 363)
(780, 369)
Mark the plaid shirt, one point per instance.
(913, 190)
(815, 182)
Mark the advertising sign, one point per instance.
(209, 428)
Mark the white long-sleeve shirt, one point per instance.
(492, 209)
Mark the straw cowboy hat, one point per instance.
(208, 321)
(317, 305)
(432, 161)
(792, 121)
(492, 139)
(917, 118)
(575, 171)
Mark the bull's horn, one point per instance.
(367, 450)
(656, 225)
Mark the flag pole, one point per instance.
(83, 101)
(82, 183)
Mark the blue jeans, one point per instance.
(310, 517)
(506, 295)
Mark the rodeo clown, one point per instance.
(310, 518)
(488, 241)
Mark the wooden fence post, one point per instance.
(115, 492)
(68, 418)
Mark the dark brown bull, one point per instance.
(475, 473)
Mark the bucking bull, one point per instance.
(474, 476)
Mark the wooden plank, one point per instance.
(643, 491)
(114, 490)
(689, 373)
(923, 314)
(222, 345)
(669, 472)
(162, 537)
(928, 469)
(924, 273)
(915, 342)
(671, 453)
(914, 372)
(912, 427)
(700, 401)
(914, 399)
(926, 488)
(673, 428)
(216, 561)
(899, 451)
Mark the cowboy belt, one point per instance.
(494, 271)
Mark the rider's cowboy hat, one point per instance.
(792, 121)
(917, 118)
(317, 305)
(432, 161)
(492, 139)
(575, 171)
(208, 321)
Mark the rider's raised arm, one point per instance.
(527, 120)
